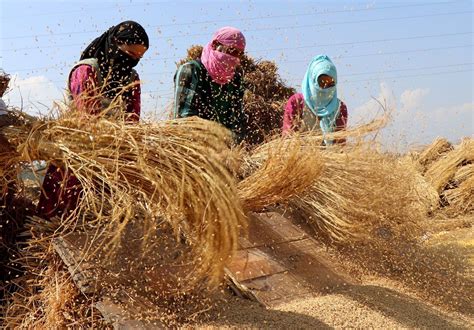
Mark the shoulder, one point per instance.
(83, 70)
(188, 69)
(296, 100)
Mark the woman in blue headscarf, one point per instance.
(317, 107)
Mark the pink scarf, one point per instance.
(220, 66)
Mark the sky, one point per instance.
(416, 57)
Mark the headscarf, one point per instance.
(322, 102)
(114, 64)
(220, 66)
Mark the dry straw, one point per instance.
(463, 173)
(441, 172)
(278, 173)
(170, 171)
(361, 193)
(433, 152)
(461, 199)
(45, 296)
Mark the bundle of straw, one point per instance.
(461, 199)
(169, 171)
(279, 173)
(443, 170)
(433, 152)
(361, 193)
(464, 173)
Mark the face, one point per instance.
(326, 81)
(134, 51)
(229, 50)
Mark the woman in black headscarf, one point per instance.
(105, 70)
(103, 75)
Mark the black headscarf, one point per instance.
(114, 63)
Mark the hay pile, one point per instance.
(442, 171)
(433, 152)
(451, 174)
(264, 98)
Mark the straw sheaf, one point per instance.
(168, 171)
(433, 152)
(463, 173)
(361, 194)
(441, 172)
(279, 173)
(461, 199)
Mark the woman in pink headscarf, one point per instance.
(212, 86)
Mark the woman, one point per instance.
(317, 107)
(4, 80)
(212, 86)
(103, 76)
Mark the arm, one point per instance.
(185, 89)
(241, 126)
(84, 90)
(292, 114)
(341, 121)
(134, 107)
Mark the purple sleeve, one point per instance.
(134, 107)
(293, 110)
(83, 88)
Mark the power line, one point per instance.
(321, 45)
(392, 53)
(280, 28)
(349, 74)
(238, 19)
(412, 76)
(327, 24)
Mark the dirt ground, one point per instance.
(375, 302)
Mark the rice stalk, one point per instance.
(360, 194)
(464, 173)
(441, 172)
(278, 173)
(168, 170)
(433, 152)
(461, 199)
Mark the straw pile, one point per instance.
(461, 198)
(442, 171)
(264, 98)
(169, 171)
(433, 152)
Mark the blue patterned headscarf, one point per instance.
(322, 102)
